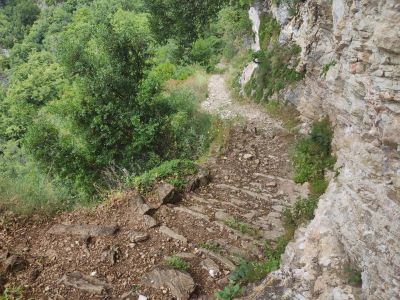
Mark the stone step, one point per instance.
(172, 234)
(259, 196)
(227, 263)
(234, 234)
(192, 213)
(212, 203)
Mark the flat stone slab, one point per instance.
(149, 221)
(85, 283)
(223, 260)
(138, 236)
(193, 213)
(211, 267)
(179, 283)
(84, 230)
(138, 205)
(172, 234)
(167, 193)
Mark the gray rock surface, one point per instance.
(357, 221)
(84, 282)
(167, 194)
(179, 283)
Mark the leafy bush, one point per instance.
(16, 17)
(286, 113)
(276, 63)
(353, 276)
(242, 227)
(302, 211)
(231, 291)
(184, 21)
(12, 293)
(312, 154)
(205, 51)
(177, 263)
(326, 68)
(212, 246)
(233, 25)
(24, 189)
(173, 171)
(273, 73)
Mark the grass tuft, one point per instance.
(177, 263)
(212, 246)
(173, 171)
(353, 276)
(242, 227)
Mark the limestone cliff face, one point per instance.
(358, 219)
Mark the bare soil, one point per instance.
(251, 183)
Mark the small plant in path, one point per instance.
(242, 227)
(326, 68)
(173, 171)
(12, 293)
(177, 263)
(231, 291)
(210, 246)
(353, 276)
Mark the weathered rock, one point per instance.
(137, 236)
(221, 259)
(85, 283)
(211, 267)
(149, 222)
(172, 234)
(195, 214)
(14, 263)
(84, 230)
(359, 213)
(128, 296)
(111, 254)
(248, 156)
(222, 216)
(2, 282)
(179, 283)
(201, 179)
(167, 193)
(185, 255)
(138, 205)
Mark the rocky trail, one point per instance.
(119, 249)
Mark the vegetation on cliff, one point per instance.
(101, 89)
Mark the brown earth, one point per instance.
(250, 183)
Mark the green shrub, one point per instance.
(276, 63)
(205, 51)
(312, 154)
(248, 272)
(233, 25)
(242, 227)
(13, 293)
(230, 292)
(24, 189)
(286, 113)
(212, 246)
(177, 263)
(353, 276)
(326, 68)
(302, 211)
(16, 17)
(318, 186)
(173, 171)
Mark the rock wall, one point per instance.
(357, 43)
